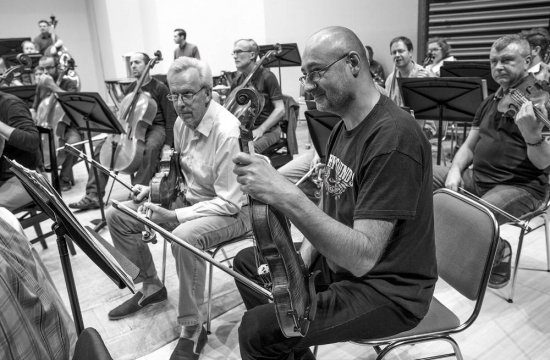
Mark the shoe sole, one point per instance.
(132, 314)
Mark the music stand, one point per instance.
(320, 125)
(115, 265)
(25, 93)
(452, 99)
(470, 69)
(12, 45)
(88, 112)
(289, 56)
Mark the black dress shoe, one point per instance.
(502, 267)
(132, 306)
(186, 349)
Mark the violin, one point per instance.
(165, 187)
(50, 114)
(528, 90)
(428, 60)
(291, 284)
(136, 115)
(231, 103)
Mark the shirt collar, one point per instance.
(534, 69)
(207, 122)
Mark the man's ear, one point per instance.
(355, 62)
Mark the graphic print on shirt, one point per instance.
(338, 177)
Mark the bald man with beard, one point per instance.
(372, 238)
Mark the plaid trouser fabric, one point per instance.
(33, 322)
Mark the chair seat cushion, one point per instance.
(438, 319)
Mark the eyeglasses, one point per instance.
(186, 98)
(238, 51)
(315, 76)
(434, 50)
(49, 67)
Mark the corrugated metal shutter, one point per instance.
(471, 26)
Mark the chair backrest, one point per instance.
(90, 346)
(466, 237)
(320, 125)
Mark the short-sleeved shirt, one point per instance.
(500, 155)
(188, 50)
(266, 83)
(382, 169)
(43, 41)
(24, 143)
(166, 114)
(392, 87)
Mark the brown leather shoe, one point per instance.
(132, 305)
(184, 348)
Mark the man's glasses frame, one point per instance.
(185, 98)
(316, 75)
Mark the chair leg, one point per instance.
(382, 354)
(547, 233)
(38, 231)
(516, 267)
(209, 305)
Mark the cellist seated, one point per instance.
(47, 112)
(208, 212)
(159, 136)
(266, 128)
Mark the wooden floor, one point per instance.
(503, 331)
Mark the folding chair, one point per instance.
(527, 218)
(466, 236)
(30, 214)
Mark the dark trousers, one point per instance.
(347, 309)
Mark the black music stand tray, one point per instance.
(25, 93)
(320, 125)
(289, 56)
(88, 112)
(115, 265)
(452, 99)
(470, 69)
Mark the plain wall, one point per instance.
(375, 22)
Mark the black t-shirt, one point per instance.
(266, 83)
(24, 143)
(166, 114)
(382, 169)
(500, 155)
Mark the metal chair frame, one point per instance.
(386, 345)
(32, 215)
(213, 252)
(526, 230)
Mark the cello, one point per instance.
(292, 286)
(136, 115)
(231, 103)
(50, 114)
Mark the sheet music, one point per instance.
(52, 195)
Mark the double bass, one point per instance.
(231, 103)
(124, 153)
(292, 286)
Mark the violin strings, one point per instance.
(521, 99)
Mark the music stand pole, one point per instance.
(60, 232)
(103, 221)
